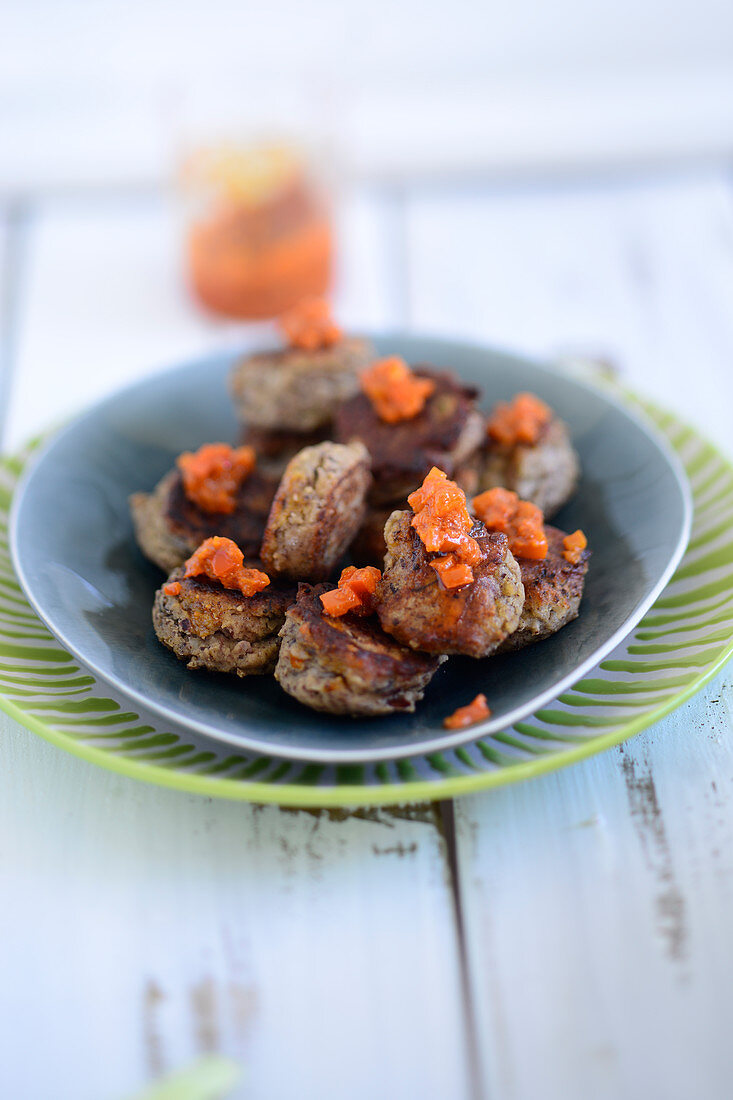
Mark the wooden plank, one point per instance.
(103, 304)
(597, 901)
(148, 926)
(598, 908)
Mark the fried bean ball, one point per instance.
(415, 608)
(297, 389)
(219, 629)
(553, 588)
(447, 433)
(545, 472)
(347, 665)
(169, 526)
(318, 508)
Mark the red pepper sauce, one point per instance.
(520, 520)
(443, 522)
(395, 392)
(355, 593)
(221, 560)
(519, 421)
(469, 715)
(213, 474)
(574, 545)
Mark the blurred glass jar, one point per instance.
(259, 234)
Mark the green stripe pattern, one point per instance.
(680, 642)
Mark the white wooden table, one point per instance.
(563, 939)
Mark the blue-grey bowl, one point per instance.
(75, 555)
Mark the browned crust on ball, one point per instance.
(414, 606)
(216, 628)
(347, 665)
(153, 535)
(317, 510)
(274, 449)
(169, 527)
(297, 390)
(446, 434)
(553, 589)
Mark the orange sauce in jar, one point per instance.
(264, 239)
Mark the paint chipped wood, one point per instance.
(597, 903)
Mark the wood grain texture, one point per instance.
(597, 902)
(146, 926)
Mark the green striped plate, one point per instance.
(681, 642)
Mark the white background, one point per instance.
(112, 90)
